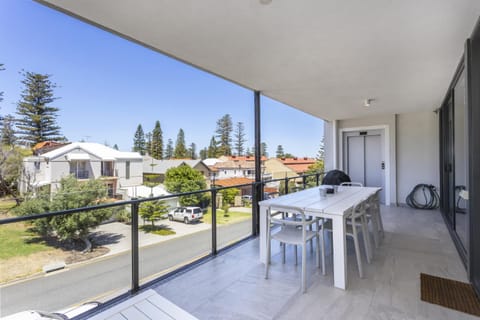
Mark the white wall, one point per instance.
(414, 148)
(417, 151)
(136, 173)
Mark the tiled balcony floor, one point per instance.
(232, 286)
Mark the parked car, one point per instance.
(247, 197)
(64, 314)
(186, 214)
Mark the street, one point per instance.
(103, 277)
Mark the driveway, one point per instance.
(116, 236)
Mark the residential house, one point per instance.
(154, 170)
(298, 165)
(238, 167)
(83, 160)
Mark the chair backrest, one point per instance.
(352, 184)
(358, 210)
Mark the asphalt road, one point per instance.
(104, 277)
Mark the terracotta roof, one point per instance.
(230, 164)
(270, 190)
(47, 144)
(232, 182)
(292, 161)
(242, 158)
(299, 168)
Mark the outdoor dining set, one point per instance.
(307, 217)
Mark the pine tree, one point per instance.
(157, 142)
(192, 151)
(280, 153)
(169, 150)
(148, 143)
(139, 140)
(224, 135)
(8, 133)
(203, 153)
(37, 119)
(180, 151)
(115, 146)
(239, 136)
(248, 153)
(212, 148)
(263, 150)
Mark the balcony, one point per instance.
(232, 285)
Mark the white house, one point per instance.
(83, 160)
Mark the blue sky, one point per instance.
(107, 86)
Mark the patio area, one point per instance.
(232, 286)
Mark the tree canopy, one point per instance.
(71, 194)
(239, 139)
(180, 151)
(224, 135)
(37, 119)
(153, 210)
(156, 148)
(185, 179)
(139, 144)
(169, 150)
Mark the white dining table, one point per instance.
(332, 206)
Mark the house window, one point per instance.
(127, 170)
(79, 169)
(107, 169)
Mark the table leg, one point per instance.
(263, 234)
(339, 253)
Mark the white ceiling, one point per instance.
(320, 56)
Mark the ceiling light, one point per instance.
(367, 102)
(265, 1)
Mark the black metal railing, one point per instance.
(300, 182)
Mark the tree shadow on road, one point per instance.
(101, 238)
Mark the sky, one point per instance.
(107, 86)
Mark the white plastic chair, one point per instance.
(374, 215)
(356, 221)
(351, 184)
(296, 232)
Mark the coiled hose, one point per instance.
(432, 199)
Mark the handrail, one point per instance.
(139, 200)
(134, 208)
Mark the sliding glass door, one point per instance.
(460, 158)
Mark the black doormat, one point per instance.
(448, 293)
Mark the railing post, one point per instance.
(286, 185)
(254, 215)
(214, 220)
(317, 178)
(135, 266)
(304, 181)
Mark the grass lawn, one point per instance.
(233, 216)
(16, 241)
(158, 230)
